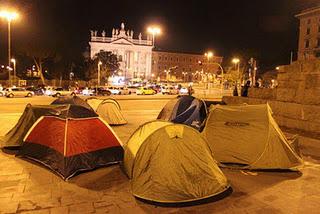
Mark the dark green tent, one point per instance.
(32, 113)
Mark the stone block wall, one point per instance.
(296, 100)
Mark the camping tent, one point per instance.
(72, 100)
(109, 109)
(32, 113)
(186, 110)
(94, 102)
(248, 136)
(69, 146)
(171, 163)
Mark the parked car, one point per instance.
(114, 90)
(132, 89)
(37, 90)
(183, 90)
(57, 92)
(18, 92)
(2, 92)
(123, 90)
(169, 90)
(48, 90)
(101, 91)
(88, 91)
(145, 91)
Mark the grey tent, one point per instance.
(32, 113)
(185, 110)
(171, 163)
(249, 137)
(108, 109)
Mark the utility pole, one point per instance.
(254, 73)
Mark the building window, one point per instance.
(318, 43)
(307, 44)
(120, 58)
(308, 31)
(309, 21)
(319, 28)
(165, 58)
(171, 58)
(159, 57)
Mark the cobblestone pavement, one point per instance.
(26, 187)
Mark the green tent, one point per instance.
(248, 136)
(108, 109)
(32, 113)
(171, 163)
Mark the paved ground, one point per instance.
(29, 188)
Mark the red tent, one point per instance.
(68, 146)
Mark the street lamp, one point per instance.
(14, 70)
(236, 61)
(99, 64)
(209, 54)
(154, 31)
(9, 16)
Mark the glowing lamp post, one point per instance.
(236, 61)
(209, 54)
(9, 16)
(154, 31)
(99, 68)
(14, 70)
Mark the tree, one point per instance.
(109, 65)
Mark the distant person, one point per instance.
(245, 89)
(235, 91)
(190, 90)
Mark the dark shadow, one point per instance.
(218, 197)
(209, 103)
(244, 167)
(11, 150)
(101, 179)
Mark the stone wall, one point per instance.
(296, 100)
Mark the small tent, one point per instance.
(171, 163)
(185, 110)
(109, 109)
(32, 113)
(72, 100)
(94, 102)
(249, 137)
(68, 146)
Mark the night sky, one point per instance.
(266, 30)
